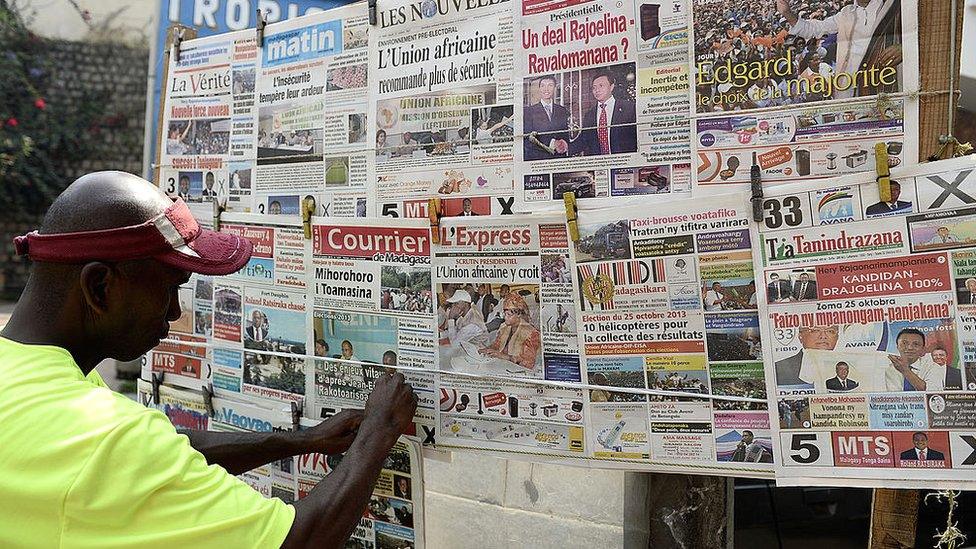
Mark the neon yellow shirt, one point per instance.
(82, 466)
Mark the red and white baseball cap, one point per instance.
(173, 237)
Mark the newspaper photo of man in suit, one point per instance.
(610, 127)
(545, 120)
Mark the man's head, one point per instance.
(920, 440)
(680, 263)
(258, 319)
(321, 347)
(109, 259)
(842, 370)
(209, 180)
(503, 291)
(943, 231)
(895, 191)
(940, 356)
(466, 205)
(274, 208)
(804, 277)
(716, 286)
(774, 277)
(911, 344)
(547, 87)
(389, 358)
(971, 284)
(748, 437)
(819, 337)
(460, 302)
(346, 349)
(602, 86)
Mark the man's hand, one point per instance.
(334, 435)
(900, 363)
(783, 7)
(890, 56)
(390, 408)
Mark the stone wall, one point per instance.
(117, 76)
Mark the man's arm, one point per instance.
(327, 516)
(240, 452)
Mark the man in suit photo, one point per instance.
(895, 205)
(547, 120)
(257, 332)
(841, 382)
(778, 290)
(804, 289)
(610, 127)
(921, 450)
(813, 337)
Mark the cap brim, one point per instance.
(210, 253)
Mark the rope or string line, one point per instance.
(492, 377)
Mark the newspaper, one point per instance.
(506, 309)
(370, 302)
(869, 307)
(394, 516)
(186, 365)
(822, 83)
(244, 125)
(441, 100)
(668, 303)
(603, 92)
(311, 126)
(197, 122)
(184, 409)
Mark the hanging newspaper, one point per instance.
(259, 313)
(197, 122)
(184, 409)
(826, 82)
(506, 309)
(244, 123)
(668, 303)
(311, 138)
(441, 101)
(183, 358)
(603, 98)
(394, 516)
(871, 311)
(371, 303)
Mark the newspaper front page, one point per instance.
(869, 306)
(603, 93)
(311, 126)
(441, 107)
(814, 85)
(668, 303)
(505, 309)
(184, 360)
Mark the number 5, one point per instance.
(802, 442)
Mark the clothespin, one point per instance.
(177, 42)
(884, 174)
(308, 209)
(372, 12)
(296, 414)
(208, 396)
(569, 200)
(219, 207)
(755, 181)
(157, 380)
(261, 23)
(434, 213)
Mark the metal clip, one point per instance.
(572, 215)
(261, 23)
(755, 182)
(177, 42)
(308, 210)
(434, 213)
(296, 414)
(372, 12)
(157, 380)
(218, 209)
(884, 173)
(208, 396)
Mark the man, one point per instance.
(748, 450)
(257, 332)
(812, 337)
(921, 450)
(942, 237)
(804, 289)
(895, 205)
(840, 382)
(88, 467)
(609, 127)
(968, 296)
(777, 290)
(389, 358)
(464, 322)
(466, 208)
(855, 26)
(184, 188)
(208, 191)
(714, 298)
(953, 377)
(910, 369)
(497, 316)
(546, 120)
(321, 347)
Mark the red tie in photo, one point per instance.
(601, 130)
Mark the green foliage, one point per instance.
(38, 138)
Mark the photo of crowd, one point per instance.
(243, 81)
(405, 289)
(275, 372)
(555, 269)
(356, 337)
(794, 413)
(739, 387)
(804, 47)
(289, 142)
(195, 137)
(491, 125)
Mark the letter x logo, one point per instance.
(971, 441)
(506, 204)
(429, 435)
(951, 189)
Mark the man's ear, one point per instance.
(95, 280)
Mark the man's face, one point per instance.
(346, 349)
(943, 232)
(774, 278)
(717, 287)
(274, 208)
(389, 360)
(920, 441)
(895, 192)
(184, 185)
(547, 88)
(971, 285)
(257, 319)
(911, 346)
(842, 370)
(940, 357)
(461, 308)
(814, 62)
(142, 303)
(321, 350)
(804, 277)
(210, 181)
(602, 89)
(504, 292)
(466, 205)
(747, 437)
(819, 337)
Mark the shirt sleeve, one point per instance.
(145, 486)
